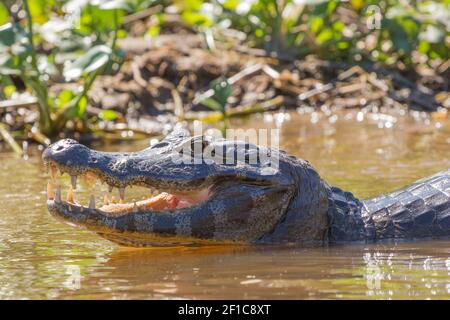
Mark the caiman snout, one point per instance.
(67, 152)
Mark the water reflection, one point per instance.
(420, 270)
(44, 258)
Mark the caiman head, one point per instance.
(212, 191)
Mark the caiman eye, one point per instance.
(195, 147)
(160, 145)
(198, 146)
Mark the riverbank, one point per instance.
(165, 80)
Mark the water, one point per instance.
(42, 258)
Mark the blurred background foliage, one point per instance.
(50, 41)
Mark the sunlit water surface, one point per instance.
(41, 257)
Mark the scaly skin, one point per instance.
(249, 203)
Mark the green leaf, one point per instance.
(196, 18)
(424, 46)
(316, 23)
(80, 109)
(212, 104)
(9, 90)
(332, 5)
(40, 10)
(222, 90)
(343, 45)
(76, 111)
(188, 5)
(10, 33)
(310, 2)
(64, 98)
(398, 35)
(108, 115)
(4, 14)
(95, 20)
(153, 31)
(231, 4)
(324, 36)
(8, 65)
(121, 34)
(94, 59)
(357, 4)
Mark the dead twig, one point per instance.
(137, 74)
(351, 88)
(232, 80)
(39, 137)
(349, 72)
(13, 103)
(319, 89)
(245, 72)
(178, 103)
(270, 72)
(141, 14)
(372, 78)
(10, 140)
(213, 116)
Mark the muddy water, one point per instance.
(42, 258)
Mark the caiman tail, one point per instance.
(418, 211)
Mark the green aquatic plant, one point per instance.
(333, 29)
(72, 55)
(220, 90)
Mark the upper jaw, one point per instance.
(120, 170)
(185, 227)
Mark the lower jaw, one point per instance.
(132, 239)
(164, 201)
(74, 215)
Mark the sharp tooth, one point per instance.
(70, 197)
(50, 191)
(54, 172)
(58, 194)
(122, 194)
(73, 181)
(92, 202)
(105, 200)
(113, 199)
(110, 189)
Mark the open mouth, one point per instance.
(156, 201)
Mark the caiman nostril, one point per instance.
(67, 152)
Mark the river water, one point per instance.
(366, 154)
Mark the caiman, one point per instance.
(239, 201)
